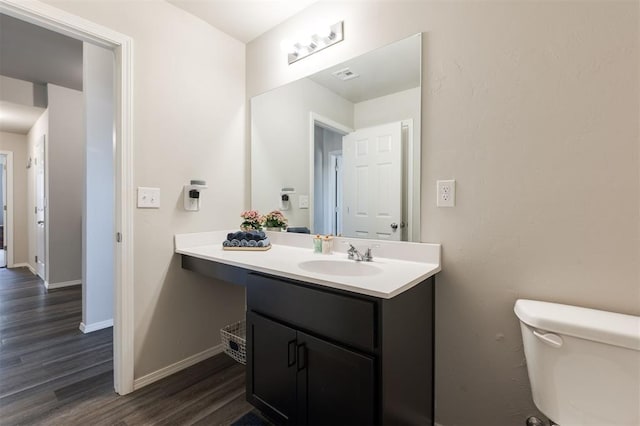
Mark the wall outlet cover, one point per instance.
(446, 193)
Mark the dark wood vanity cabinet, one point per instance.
(297, 378)
(320, 356)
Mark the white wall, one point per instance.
(19, 146)
(65, 165)
(39, 129)
(98, 221)
(385, 109)
(189, 118)
(533, 108)
(280, 148)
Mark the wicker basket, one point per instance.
(234, 341)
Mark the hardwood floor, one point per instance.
(53, 374)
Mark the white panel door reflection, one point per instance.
(41, 205)
(372, 196)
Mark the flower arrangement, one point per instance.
(251, 220)
(274, 219)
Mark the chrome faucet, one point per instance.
(354, 254)
(368, 256)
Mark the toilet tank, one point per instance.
(583, 364)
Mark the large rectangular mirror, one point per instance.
(338, 152)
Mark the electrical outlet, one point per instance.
(446, 193)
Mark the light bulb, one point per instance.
(306, 41)
(323, 31)
(287, 46)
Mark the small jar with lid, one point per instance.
(327, 244)
(317, 244)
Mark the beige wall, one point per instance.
(17, 91)
(533, 108)
(189, 116)
(65, 174)
(18, 145)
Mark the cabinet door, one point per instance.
(271, 368)
(335, 385)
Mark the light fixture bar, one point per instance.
(316, 43)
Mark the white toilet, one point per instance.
(583, 364)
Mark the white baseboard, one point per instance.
(50, 286)
(95, 326)
(175, 367)
(23, 265)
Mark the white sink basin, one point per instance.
(340, 267)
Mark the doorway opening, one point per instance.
(51, 18)
(327, 180)
(325, 201)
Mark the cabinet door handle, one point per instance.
(302, 356)
(291, 353)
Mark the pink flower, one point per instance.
(251, 220)
(250, 215)
(274, 219)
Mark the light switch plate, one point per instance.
(148, 198)
(303, 201)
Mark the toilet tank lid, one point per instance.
(591, 324)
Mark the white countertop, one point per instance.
(398, 265)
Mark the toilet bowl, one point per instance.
(583, 364)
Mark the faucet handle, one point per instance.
(351, 247)
(368, 256)
(351, 251)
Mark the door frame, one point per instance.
(322, 121)
(42, 140)
(8, 225)
(335, 158)
(62, 22)
(411, 232)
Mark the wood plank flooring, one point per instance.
(53, 374)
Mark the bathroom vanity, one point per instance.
(330, 340)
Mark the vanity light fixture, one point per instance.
(325, 36)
